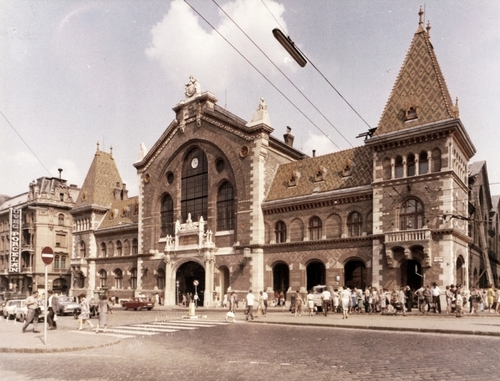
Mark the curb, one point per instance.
(378, 328)
(55, 350)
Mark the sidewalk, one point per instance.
(68, 338)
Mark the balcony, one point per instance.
(408, 235)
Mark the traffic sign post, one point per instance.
(47, 258)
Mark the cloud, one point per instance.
(320, 143)
(184, 44)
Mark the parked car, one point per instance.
(8, 309)
(21, 310)
(67, 306)
(138, 304)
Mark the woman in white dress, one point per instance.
(345, 296)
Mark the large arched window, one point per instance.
(315, 228)
(133, 278)
(60, 219)
(225, 207)
(82, 249)
(354, 224)
(160, 279)
(103, 277)
(386, 169)
(103, 250)
(119, 251)
(194, 183)
(167, 216)
(135, 246)
(280, 232)
(411, 215)
(118, 279)
(436, 160)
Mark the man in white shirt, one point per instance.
(264, 298)
(436, 297)
(326, 298)
(250, 301)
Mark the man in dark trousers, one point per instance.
(53, 307)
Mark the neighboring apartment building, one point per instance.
(28, 223)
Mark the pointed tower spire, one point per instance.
(420, 94)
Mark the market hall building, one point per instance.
(224, 203)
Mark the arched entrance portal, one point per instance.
(281, 277)
(316, 274)
(355, 274)
(186, 275)
(411, 274)
(60, 286)
(460, 272)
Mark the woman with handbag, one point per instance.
(34, 311)
(84, 312)
(104, 310)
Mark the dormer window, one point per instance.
(348, 168)
(294, 179)
(411, 113)
(320, 174)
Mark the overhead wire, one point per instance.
(263, 75)
(277, 68)
(25, 143)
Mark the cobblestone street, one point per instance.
(243, 351)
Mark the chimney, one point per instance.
(288, 137)
(314, 153)
(60, 172)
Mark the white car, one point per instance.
(9, 309)
(21, 310)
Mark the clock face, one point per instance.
(194, 162)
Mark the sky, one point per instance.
(74, 73)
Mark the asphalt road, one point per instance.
(246, 351)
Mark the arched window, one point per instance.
(103, 277)
(194, 184)
(118, 279)
(119, 251)
(315, 230)
(61, 219)
(398, 167)
(436, 160)
(56, 261)
(135, 247)
(411, 215)
(82, 250)
(62, 265)
(160, 279)
(386, 169)
(354, 224)
(133, 278)
(104, 253)
(225, 207)
(423, 163)
(280, 230)
(167, 216)
(411, 165)
(126, 247)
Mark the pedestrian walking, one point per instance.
(310, 303)
(326, 297)
(250, 302)
(84, 312)
(104, 310)
(299, 302)
(52, 308)
(33, 313)
(409, 298)
(459, 304)
(436, 297)
(490, 296)
(345, 296)
(265, 299)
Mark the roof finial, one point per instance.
(428, 28)
(111, 150)
(456, 109)
(98, 145)
(420, 14)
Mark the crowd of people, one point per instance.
(344, 300)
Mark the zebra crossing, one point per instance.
(157, 327)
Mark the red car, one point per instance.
(138, 304)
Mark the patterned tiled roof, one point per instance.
(102, 178)
(122, 212)
(339, 170)
(420, 84)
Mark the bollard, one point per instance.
(191, 309)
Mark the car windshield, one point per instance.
(65, 299)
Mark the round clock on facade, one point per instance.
(194, 162)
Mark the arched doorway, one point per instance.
(281, 277)
(224, 280)
(60, 286)
(315, 273)
(411, 274)
(460, 271)
(186, 275)
(355, 274)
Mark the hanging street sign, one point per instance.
(47, 255)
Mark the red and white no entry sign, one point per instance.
(47, 255)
